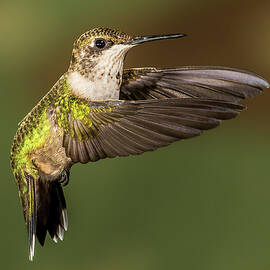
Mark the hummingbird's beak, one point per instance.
(139, 40)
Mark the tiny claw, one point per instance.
(64, 178)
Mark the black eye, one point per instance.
(100, 43)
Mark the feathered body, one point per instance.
(98, 110)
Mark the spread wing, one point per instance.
(219, 83)
(122, 128)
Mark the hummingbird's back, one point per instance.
(38, 144)
(32, 133)
(38, 130)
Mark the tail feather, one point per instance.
(47, 212)
(57, 219)
(32, 215)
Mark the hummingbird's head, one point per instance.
(96, 66)
(104, 48)
(99, 47)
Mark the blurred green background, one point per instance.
(203, 203)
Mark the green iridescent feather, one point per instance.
(33, 133)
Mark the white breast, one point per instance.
(99, 89)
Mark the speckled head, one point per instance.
(96, 45)
(97, 61)
(101, 44)
(115, 36)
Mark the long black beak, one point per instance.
(139, 40)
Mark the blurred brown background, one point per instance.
(198, 204)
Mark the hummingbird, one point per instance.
(98, 109)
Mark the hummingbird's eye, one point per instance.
(100, 43)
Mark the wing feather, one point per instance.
(218, 83)
(122, 128)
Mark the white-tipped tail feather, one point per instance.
(32, 248)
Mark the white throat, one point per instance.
(98, 89)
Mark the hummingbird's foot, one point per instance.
(64, 178)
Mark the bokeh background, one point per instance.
(203, 203)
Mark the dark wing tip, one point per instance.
(266, 84)
(256, 80)
(227, 110)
